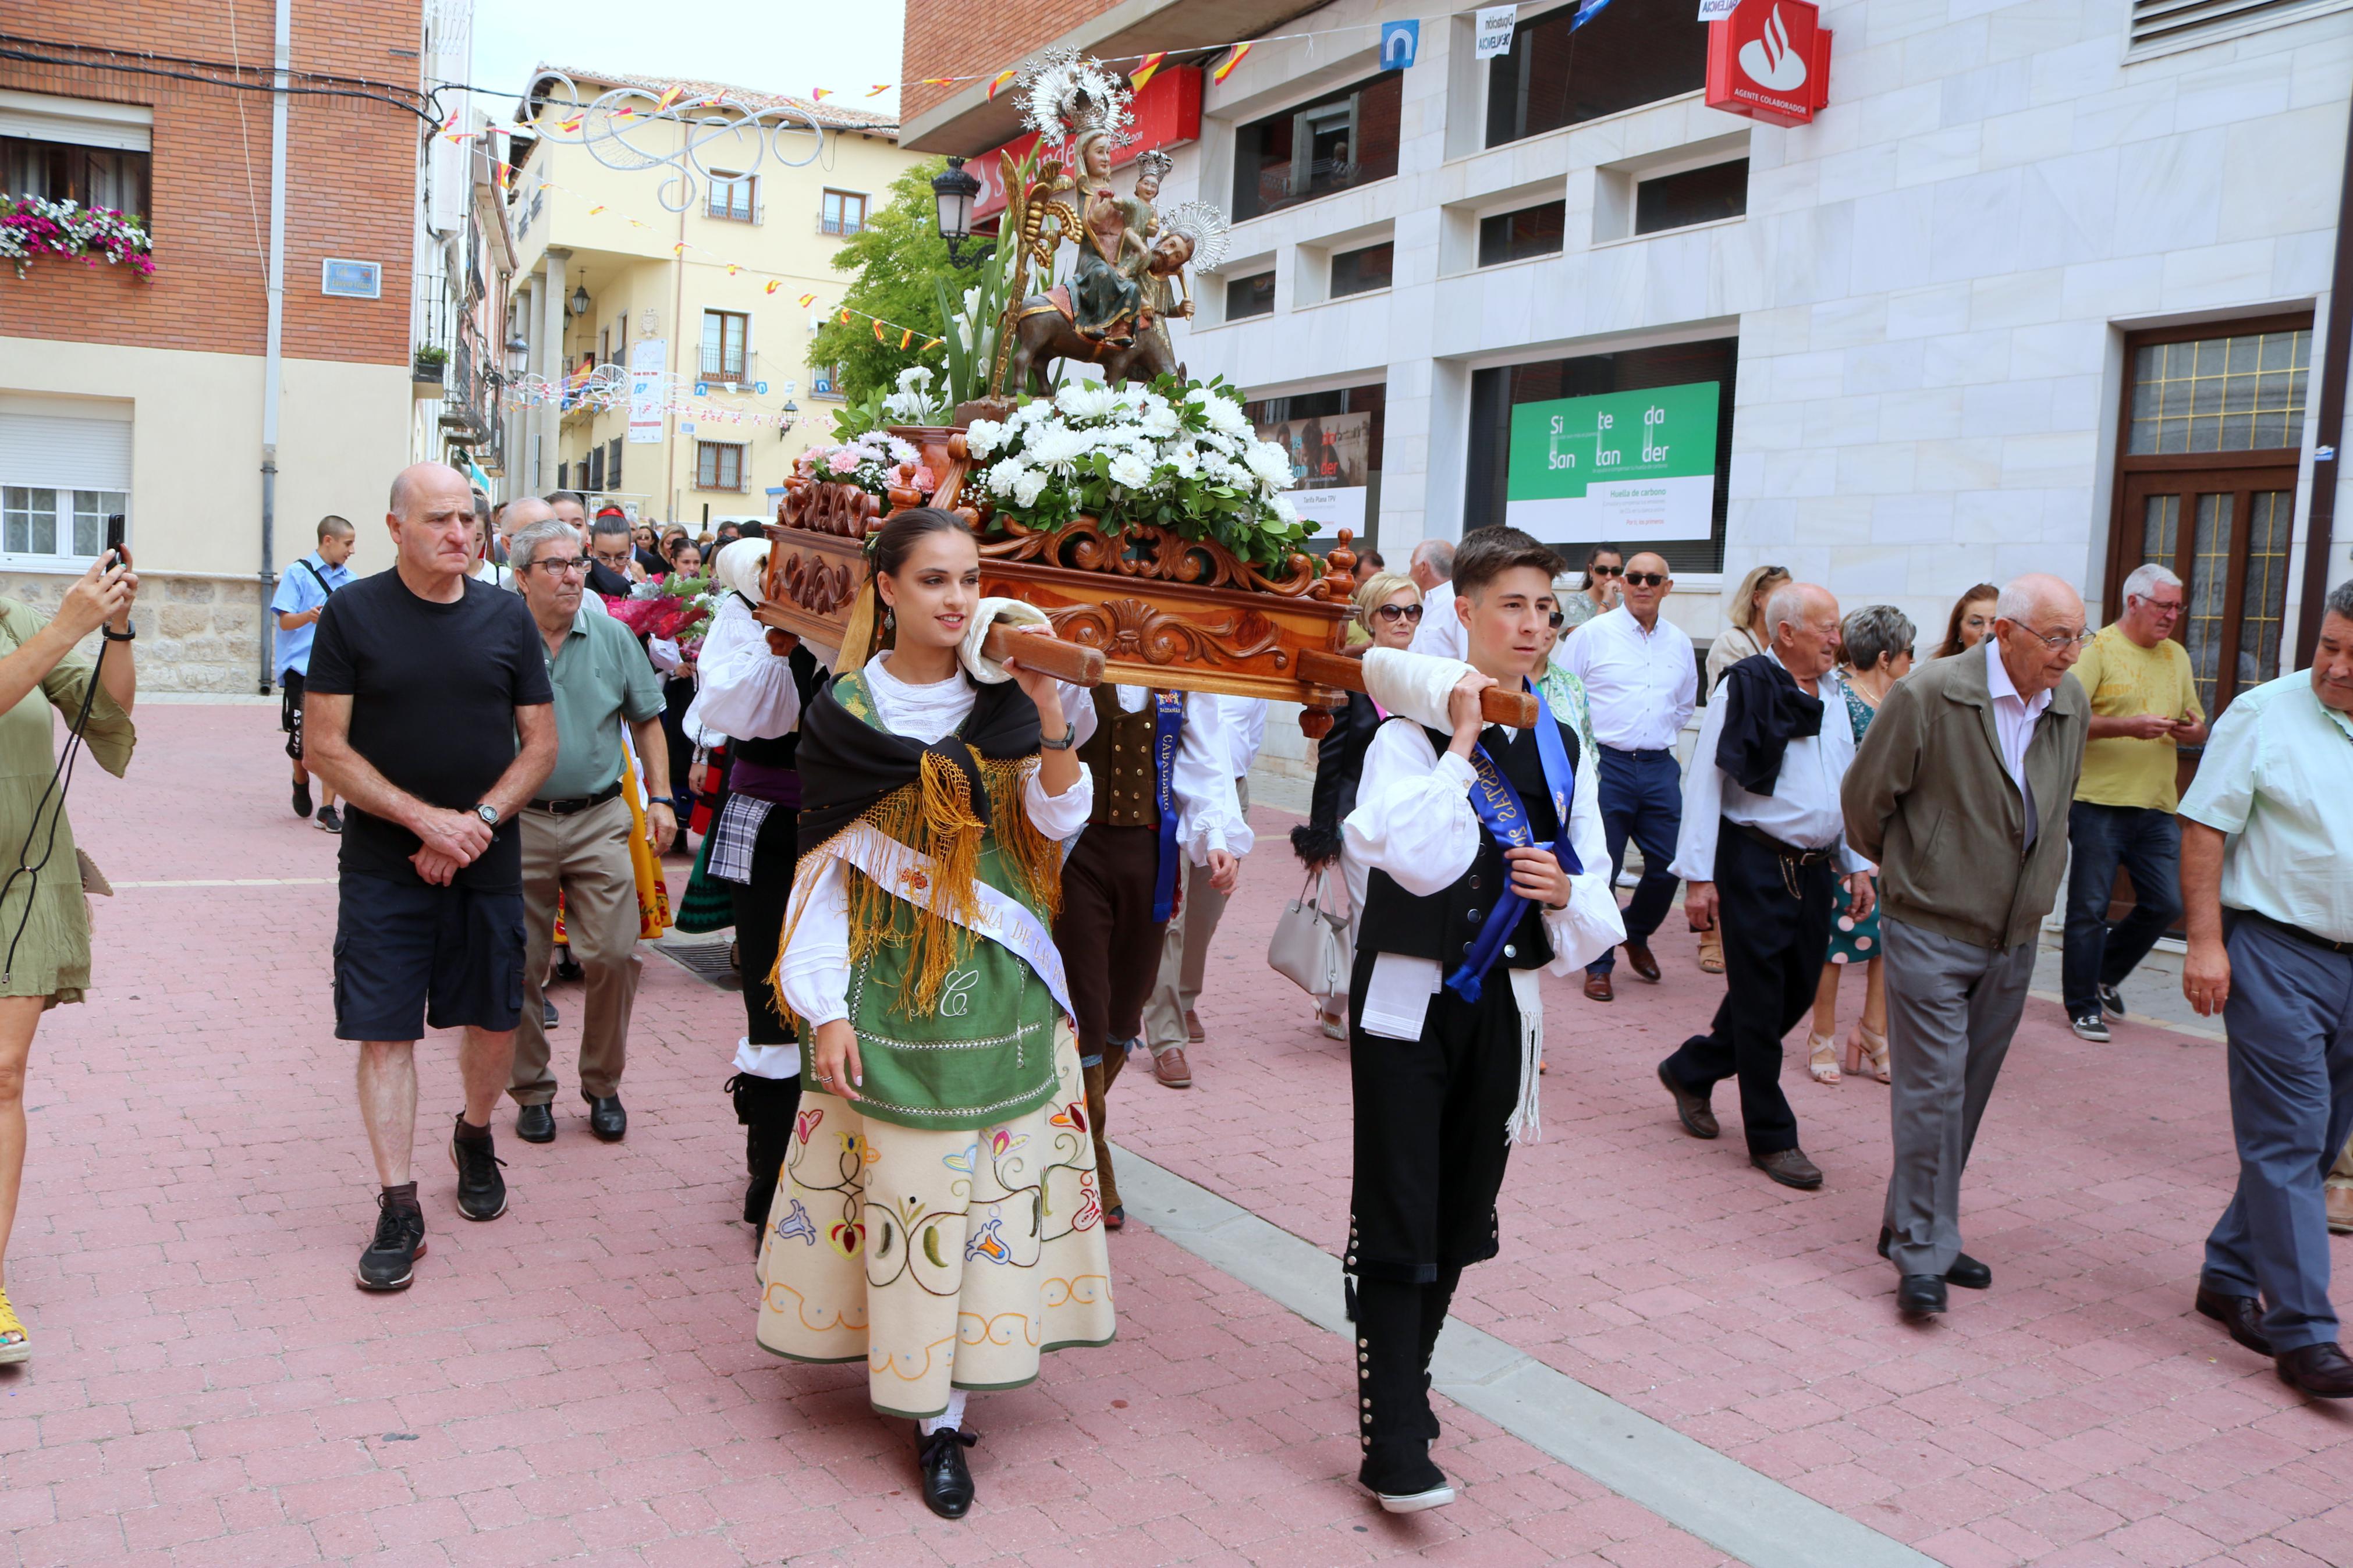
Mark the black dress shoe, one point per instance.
(1920, 1295)
(536, 1123)
(2241, 1315)
(1790, 1168)
(567, 966)
(2318, 1370)
(947, 1481)
(607, 1118)
(1639, 959)
(1966, 1271)
(1690, 1108)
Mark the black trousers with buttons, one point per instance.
(1429, 1158)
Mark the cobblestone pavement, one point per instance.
(578, 1380)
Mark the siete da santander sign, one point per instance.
(1769, 59)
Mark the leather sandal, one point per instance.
(1822, 1057)
(1866, 1050)
(15, 1345)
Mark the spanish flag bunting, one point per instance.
(879, 89)
(807, 299)
(775, 284)
(939, 82)
(933, 345)
(1226, 67)
(1145, 70)
(1002, 78)
(667, 99)
(819, 94)
(678, 250)
(878, 329)
(570, 125)
(732, 270)
(595, 210)
(906, 337)
(845, 316)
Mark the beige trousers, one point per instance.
(585, 856)
(1185, 953)
(2340, 1175)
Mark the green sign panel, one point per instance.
(1622, 466)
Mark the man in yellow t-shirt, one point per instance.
(2144, 708)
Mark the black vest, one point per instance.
(778, 750)
(1443, 925)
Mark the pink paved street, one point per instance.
(578, 1381)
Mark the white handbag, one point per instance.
(1310, 946)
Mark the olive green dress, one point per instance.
(52, 959)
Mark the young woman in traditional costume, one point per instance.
(937, 1218)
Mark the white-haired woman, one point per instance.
(1876, 641)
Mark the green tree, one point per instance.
(896, 259)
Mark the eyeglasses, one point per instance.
(576, 566)
(1396, 613)
(2164, 608)
(1645, 579)
(2057, 640)
(1605, 570)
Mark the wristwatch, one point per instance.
(1070, 738)
(488, 813)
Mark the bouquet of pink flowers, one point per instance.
(666, 607)
(873, 462)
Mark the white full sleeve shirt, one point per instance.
(1803, 809)
(1414, 820)
(1640, 685)
(1209, 812)
(744, 692)
(814, 972)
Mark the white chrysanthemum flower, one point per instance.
(1025, 489)
(983, 437)
(902, 451)
(1031, 413)
(1160, 422)
(1002, 478)
(1086, 400)
(1186, 459)
(1284, 510)
(1132, 471)
(913, 376)
(1224, 415)
(1269, 463)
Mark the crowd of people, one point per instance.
(965, 896)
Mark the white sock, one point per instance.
(952, 1416)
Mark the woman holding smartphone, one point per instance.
(44, 918)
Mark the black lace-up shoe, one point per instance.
(389, 1262)
(481, 1191)
(947, 1480)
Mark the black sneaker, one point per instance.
(302, 799)
(389, 1262)
(481, 1191)
(330, 820)
(2091, 1027)
(2113, 1000)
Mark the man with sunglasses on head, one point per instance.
(1956, 791)
(1642, 682)
(1605, 568)
(2144, 708)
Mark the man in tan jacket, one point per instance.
(1960, 790)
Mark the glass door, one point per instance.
(2225, 533)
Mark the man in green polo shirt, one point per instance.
(576, 836)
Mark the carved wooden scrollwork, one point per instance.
(1135, 630)
(1154, 553)
(822, 506)
(811, 582)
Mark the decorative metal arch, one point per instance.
(613, 126)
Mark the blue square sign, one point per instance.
(1399, 42)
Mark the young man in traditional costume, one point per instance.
(1162, 765)
(1487, 864)
(937, 1219)
(753, 694)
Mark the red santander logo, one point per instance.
(1770, 59)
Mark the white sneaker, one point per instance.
(1414, 1502)
(2091, 1027)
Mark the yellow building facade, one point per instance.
(704, 304)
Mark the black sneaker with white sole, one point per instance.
(481, 1191)
(330, 820)
(2113, 1000)
(390, 1261)
(2091, 1027)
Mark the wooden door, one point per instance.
(2223, 529)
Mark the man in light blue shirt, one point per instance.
(301, 600)
(2266, 839)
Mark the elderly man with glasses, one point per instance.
(576, 832)
(2144, 708)
(1956, 792)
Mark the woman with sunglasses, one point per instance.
(1388, 605)
(1604, 565)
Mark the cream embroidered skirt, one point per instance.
(941, 1259)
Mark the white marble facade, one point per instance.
(1931, 286)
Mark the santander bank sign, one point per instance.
(1769, 59)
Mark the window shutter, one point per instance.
(2159, 27)
(66, 452)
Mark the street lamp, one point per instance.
(517, 356)
(791, 416)
(580, 300)
(951, 191)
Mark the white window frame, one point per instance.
(41, 460)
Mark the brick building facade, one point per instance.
(165, 374)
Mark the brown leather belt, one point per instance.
(1786, 851)
(574, 807)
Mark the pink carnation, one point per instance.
(926, 480)
(843, 462)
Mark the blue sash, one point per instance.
(1167, 722)
(1501, 814)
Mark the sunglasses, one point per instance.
(1605, 570)
(1396, 613)
(1646, 579)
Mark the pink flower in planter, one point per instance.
(843, 462)
(926, 480)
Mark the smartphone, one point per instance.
(114, 539)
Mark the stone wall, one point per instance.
(196, 634)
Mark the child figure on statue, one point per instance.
(1487, 866)
(937, 1218)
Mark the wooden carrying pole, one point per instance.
(1497, 705)
(1079, 665)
